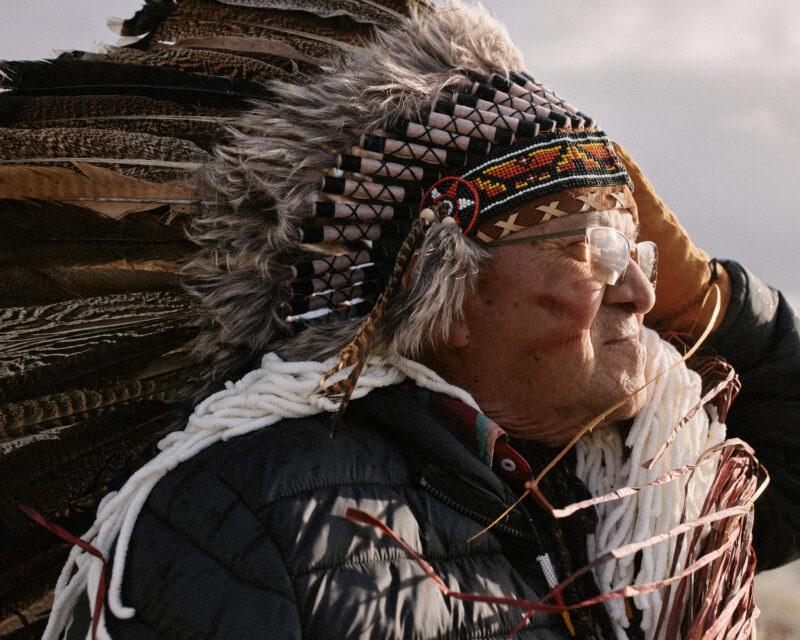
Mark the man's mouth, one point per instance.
(633, 337)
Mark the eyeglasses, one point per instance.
(608, 252)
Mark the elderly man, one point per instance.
(509, 319)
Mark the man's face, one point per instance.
(549, 347)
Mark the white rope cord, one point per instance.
(276, 391)
(604, 464)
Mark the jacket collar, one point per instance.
(444, 461)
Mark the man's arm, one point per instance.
(760, 337)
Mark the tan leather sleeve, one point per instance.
(684, 276)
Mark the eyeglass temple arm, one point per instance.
(556, 234)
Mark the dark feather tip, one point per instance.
(148, 17)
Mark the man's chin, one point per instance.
(632, 405)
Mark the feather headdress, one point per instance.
(322, 182)
(295, 141)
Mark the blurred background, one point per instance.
(706, 97)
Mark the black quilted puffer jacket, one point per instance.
(249, 540)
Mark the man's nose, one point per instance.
(634, 290)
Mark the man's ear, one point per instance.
(458, 335)
(447, 355)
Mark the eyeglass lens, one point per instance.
(610, 252)
(647, 259)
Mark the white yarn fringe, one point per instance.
(263, 397)
(605, 464)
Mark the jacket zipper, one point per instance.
(474, 515)
(480, 518)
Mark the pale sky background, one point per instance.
(705, 95)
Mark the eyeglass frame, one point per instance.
(633, 250)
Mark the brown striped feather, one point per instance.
(52, 347)
(62, 253)
(202, 131)
(19, 419)
(172, 30)
(56, 75)
(280, 53)
(45, 221)
(381, 12)
(196, 61)
(47, 235)
(26, 286)
(339, 27)
(94, 187)
(58, 142)
(17, 109)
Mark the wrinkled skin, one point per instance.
(543, 347)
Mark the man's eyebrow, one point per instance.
(597, 216)
(604, 217)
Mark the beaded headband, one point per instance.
(576, 165)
